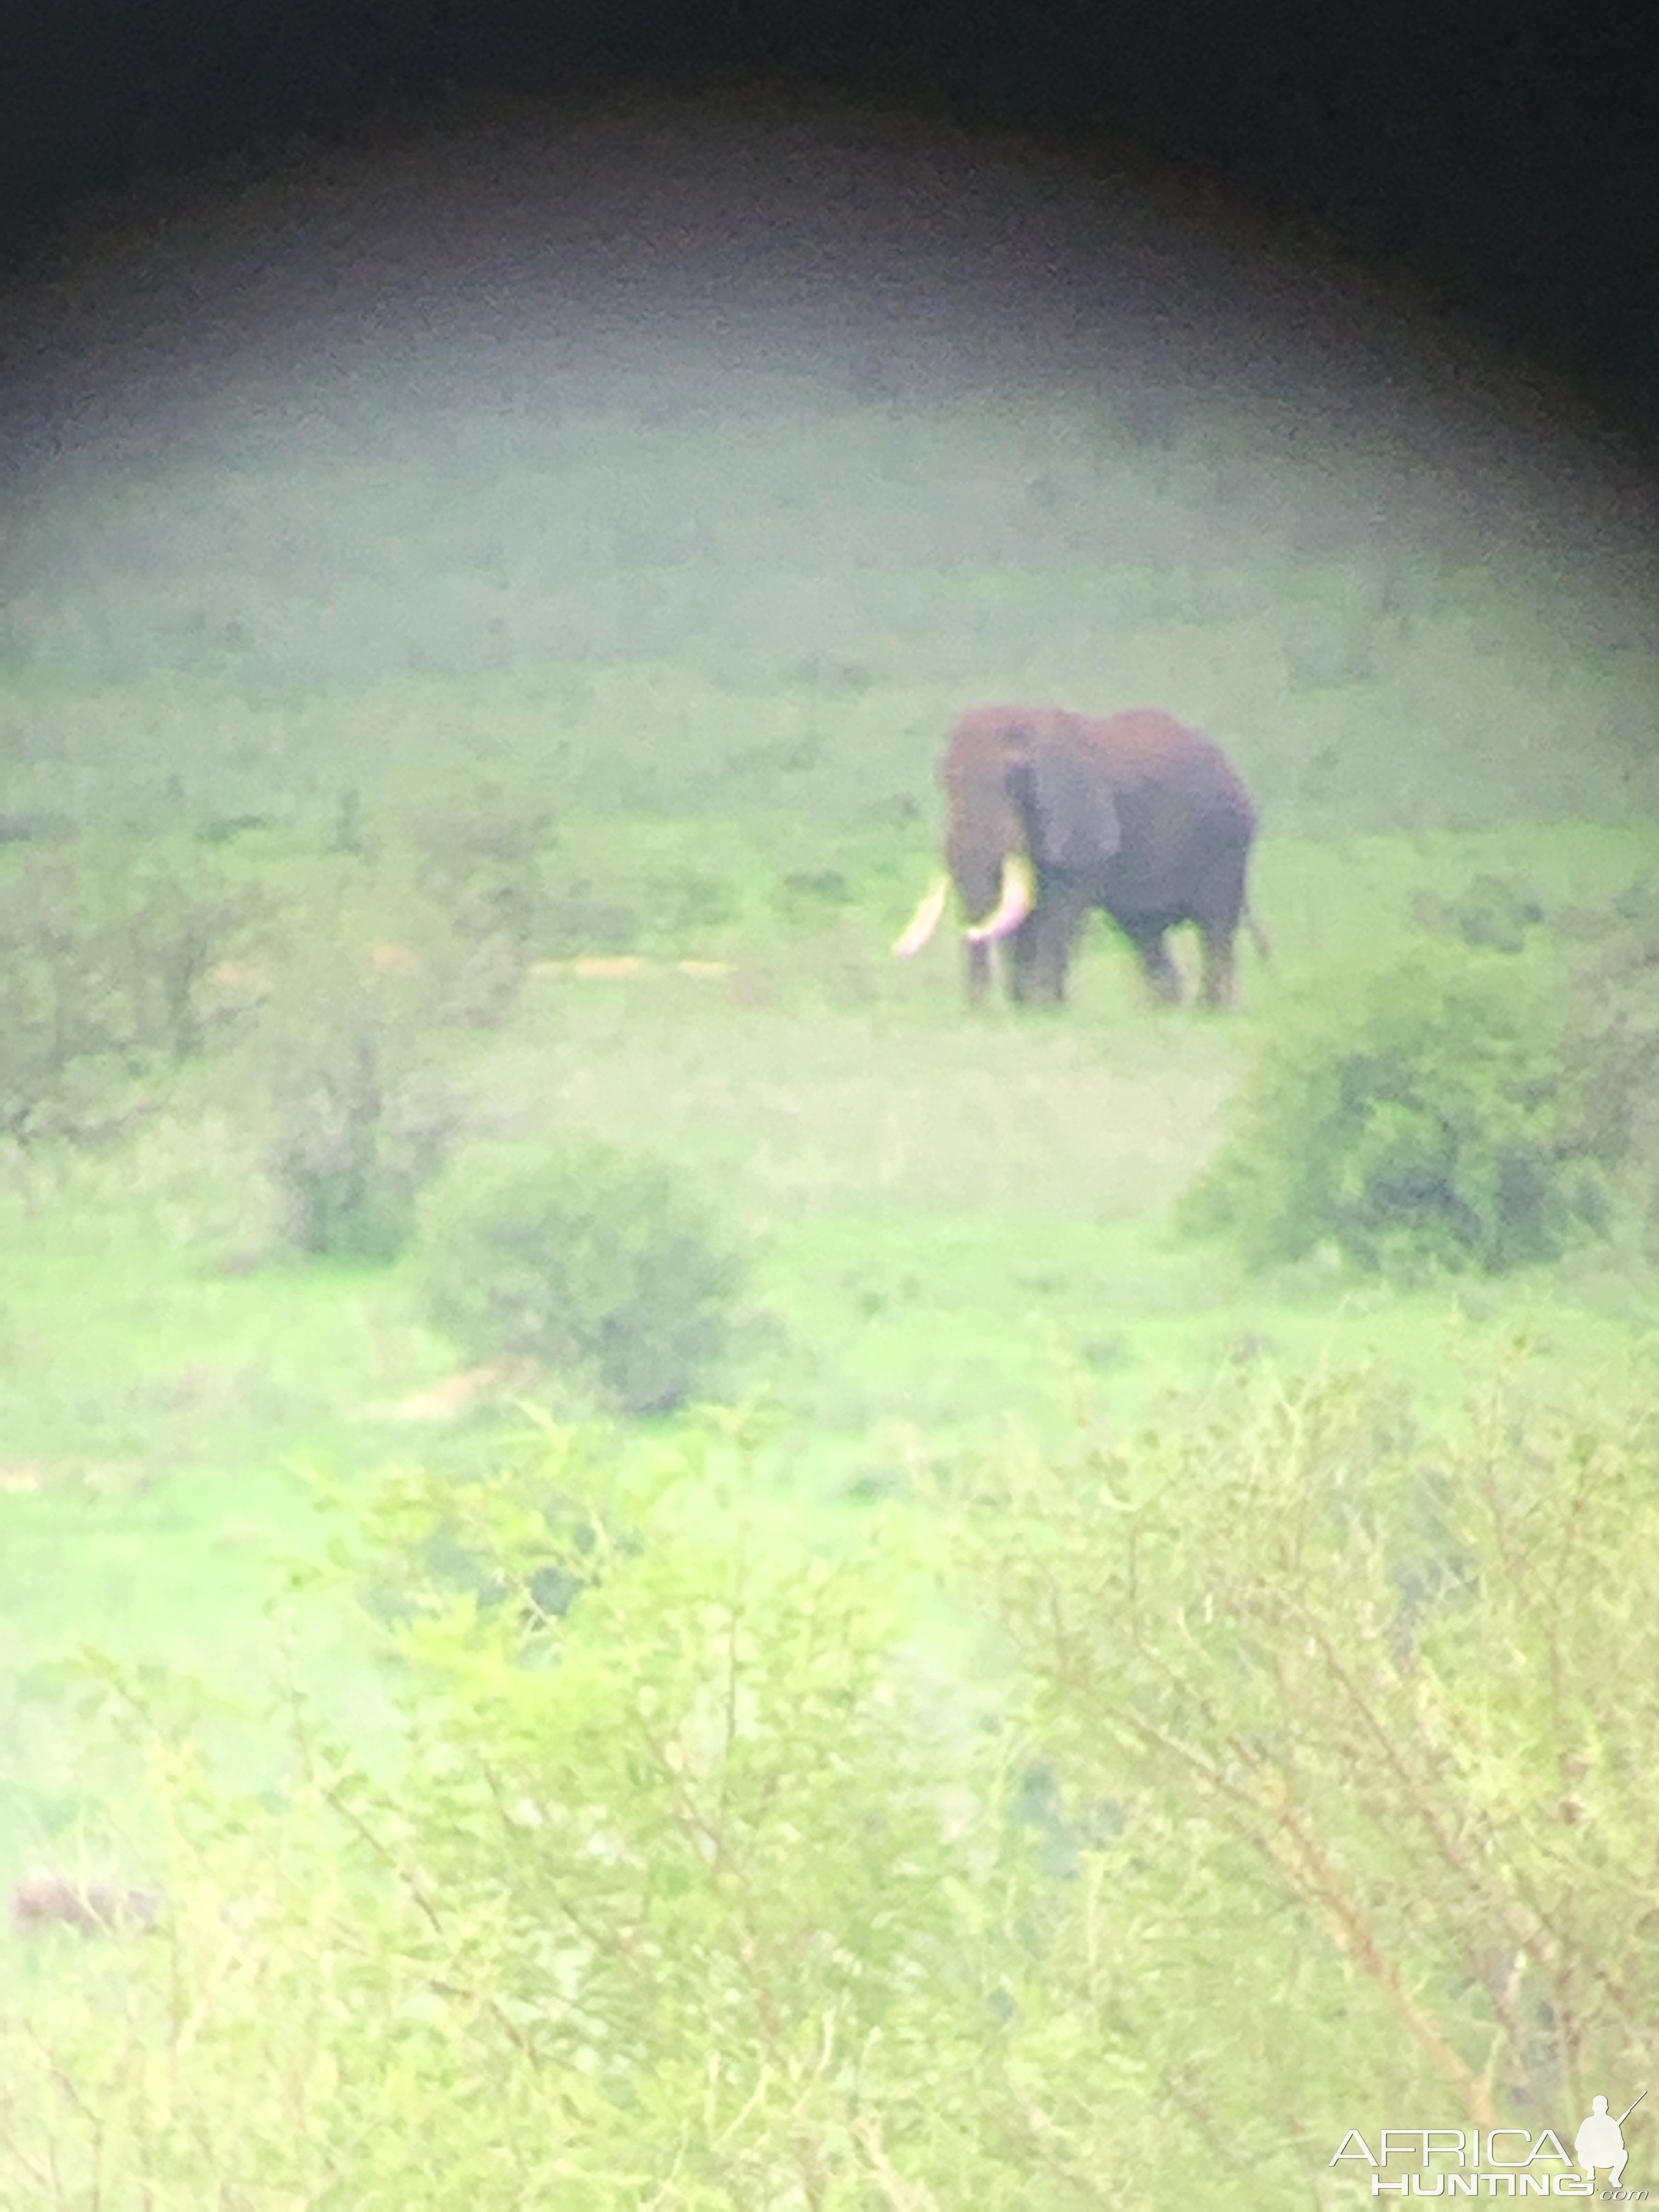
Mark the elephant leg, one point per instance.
(1045, 943)
(1023, 965)
(1217, 987)
(1217, 919)
(977, 973)
(1160, 970)
(1016, 972)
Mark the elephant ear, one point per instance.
(1073, 819)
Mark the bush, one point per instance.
(1345, 1699)
(1433, 1112)
(484, 866)
(591, 1262)
(705, 1891)
(653, 1903)
(1494, 912)
(480, 870)
(1618, 1035)
(106, 964)
(174, 929)
(357, 1133)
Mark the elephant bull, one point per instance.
(1052, 813)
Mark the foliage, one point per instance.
(591, 1262)
(659, 1907)
(1494, 911)
(106, 968)
(1370, 1725)
(357, 1130)
(1616, 1034)
(175, 927)
(1428, 1108)
(481, 868)
(688, 1892)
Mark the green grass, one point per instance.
(780, 605)
(961, 1231)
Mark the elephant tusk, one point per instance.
(1018, 898)
(924, 921)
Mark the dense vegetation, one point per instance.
(1436, 1111)
(588, 1264)
(692, 1888)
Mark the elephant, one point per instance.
(1053, 812)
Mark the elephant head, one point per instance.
(1027, 795)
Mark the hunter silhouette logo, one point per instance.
(1601, 2141)
(1500, 2161)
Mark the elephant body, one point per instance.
(1053, 813)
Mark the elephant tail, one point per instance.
(1259, 936)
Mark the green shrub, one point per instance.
(654, 1903)
(581, 919)
(480, 871)
(1494, 912)
(356, 1133)
(1346, 1697)
(591, 1262)
(175, 927)
(482, 864)
(107, 960)
(1617, 1034)
(713, 1887)
(1432, 1113)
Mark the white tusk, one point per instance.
(1018, 898)
(924, 921)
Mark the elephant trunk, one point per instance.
(1017, 898)
(924, 921)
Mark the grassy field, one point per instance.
(961, 1229)
(710, 663)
